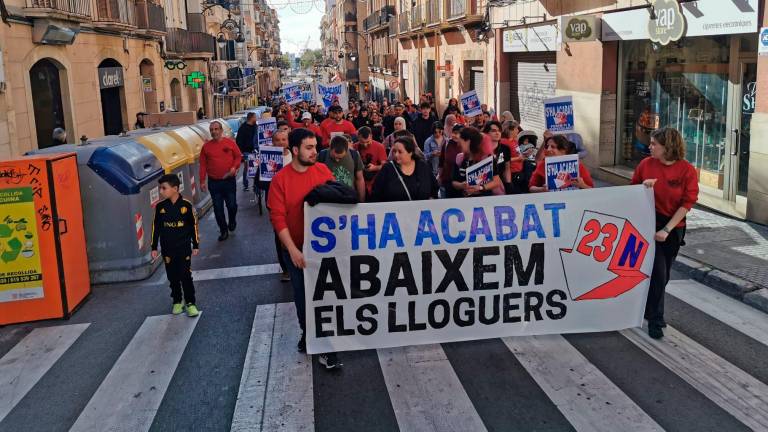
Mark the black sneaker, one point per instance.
(302, 345)
(655, 332)
(223, 236)
(329, 360)
(232, 226)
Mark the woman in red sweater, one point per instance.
(557, 145)
(676, 189)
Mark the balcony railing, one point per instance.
(182, 41)
(393, 27)
(390, 62)
(195, 22)
(433, 12)
(150, 16)
(405, 24)
(77, 8)
(456, 9)
(417, 16)
(115, 12)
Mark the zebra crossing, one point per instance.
(428, 387)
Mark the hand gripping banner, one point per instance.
(419, 272)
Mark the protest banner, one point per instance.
(306, 96)
(562, 172)
(266, 128)
(253, 165)
(327, 93)
(435, 271)
(470, 104)
(292, 94)
(480, 173)
(558, 114)
(270, 162)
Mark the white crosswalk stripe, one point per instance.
(277, 390)
(30, 359)
(737, 392)
(130, 395)
(589, 400)
(425, 392)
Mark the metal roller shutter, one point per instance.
(477, 80)
(533, 78)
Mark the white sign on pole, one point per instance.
(434, 271)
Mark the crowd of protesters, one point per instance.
(404, 151)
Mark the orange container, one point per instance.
(43, 262)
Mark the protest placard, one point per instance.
(562, 172)
(292, 94)
(470, 104)
(480, 173)
(253, 165)
(266, 128)
(327, 93)
(270, 162)
(558, 114)
(435, 271)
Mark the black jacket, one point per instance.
(175, 227)
(422, 185)
(422, 129)
(332, 192)
(245, 138)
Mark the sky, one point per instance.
(294, 28)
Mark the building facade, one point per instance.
(89, 66)
(632, 66)
(345, 45)
(380, 27)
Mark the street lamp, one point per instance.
(240, 41)
(221, 41)
(353, 56)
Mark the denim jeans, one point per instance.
(245, 171)
(224, 192)
(297, 283)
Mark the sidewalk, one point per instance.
(728, 255)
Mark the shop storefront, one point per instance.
(698, 75)
(531, 55)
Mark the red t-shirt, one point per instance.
(375, 154)
(514, 166)
(217, 158)
(329, 126)
(286, 198)
(677, 185)
(539, 178)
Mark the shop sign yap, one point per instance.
(669, 24)
(583, 28)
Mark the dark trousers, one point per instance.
(179, 272)
(280, 256)
(224, 192)
(245, 171)
(297, 282)
(666, 253)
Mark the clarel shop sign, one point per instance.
(110, 77)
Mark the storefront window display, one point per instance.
(683, 85)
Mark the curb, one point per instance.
(728, 284)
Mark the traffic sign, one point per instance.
(394, 84)
(762, 48)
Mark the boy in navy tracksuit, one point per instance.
(175, 228)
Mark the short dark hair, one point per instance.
(437, 125)
(487, 127)
(474, 137)
(339, 144)
(282, 123)
(250, 115)
(486, 113)
(298, 135)
(402, 133)
(171, 179)
(408, 143)
(457, 127)
(335, 108)
(425, 105)
(364, 132)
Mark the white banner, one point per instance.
(326, 93)
(420, 272)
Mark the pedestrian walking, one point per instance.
(421, 127)
(373, 154)
(448, 161)
(675, 189)
(335, 124)
(219, 160)
(286, 212)
(405, 178)
(502, 156)
(245, 139)
(174, 229)
(345, 164)
(433, 146)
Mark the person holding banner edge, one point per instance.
(289, 188)
(675, 189)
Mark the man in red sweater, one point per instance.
(307, 123)
(219, 160)
(286, 211)
(335, 124)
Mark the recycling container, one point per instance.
(43, 263)
(193, 142)
(173, 156)
(203, 128)
(118, 184)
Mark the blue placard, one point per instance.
(558, 113)
(292, 94)
(480, 173)
(266, 128)
(270, 162)
(470, 103)
(562, 172)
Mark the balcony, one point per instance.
(185, 43)
(417, 16)
(195, 22)
(115, 14)
(71, 10)
(379, 20)
(433, 12)
(390, 62)
(405, 24)
(150, 17)
(393, 28)
(466, 10)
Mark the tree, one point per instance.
(310, 57)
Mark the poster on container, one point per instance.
(266, 128)
(470, 104)
(270, 162)
(558, 114)
(21, 275)
(437, 271)
(562, 172)
(480, 173)
(292, 94)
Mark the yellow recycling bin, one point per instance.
(173, 156)
(193, 143)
